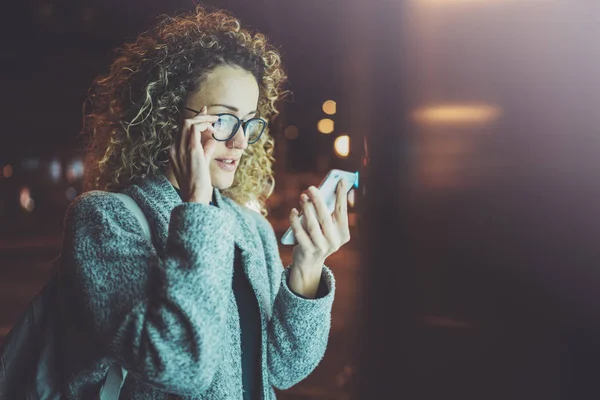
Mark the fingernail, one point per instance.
(294, 212)
(304, 198)
(204, 109)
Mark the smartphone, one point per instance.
(327, 188)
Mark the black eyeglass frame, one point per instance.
(237, 125)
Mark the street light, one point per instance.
(329, 107)
(342, 146)
(325, 126)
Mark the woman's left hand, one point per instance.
(321, 235)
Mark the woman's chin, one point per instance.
(222, 183)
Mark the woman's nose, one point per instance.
(239, 140)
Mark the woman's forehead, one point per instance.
(230, 86)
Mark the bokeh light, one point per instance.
(7, 171)
(342, 146)
(457, 114)
(55, 170)
(329, 107)
(326, 126)
(291, 132)
(25, 199)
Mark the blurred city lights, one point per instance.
(342, 146)
(326, 126)
(29, 164)
(291, 132)
(55, 169)
(7, 171)
(329, 107)
(74, 170)
(25, 199)
(71, 193)
(351, 198)
(457, 114)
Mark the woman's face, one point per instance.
(232, 90)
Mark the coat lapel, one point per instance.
(157, 198)
(248, 240)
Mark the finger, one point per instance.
(197, 130)
(299, 233)
(195, 154)
(203, 127)
(188, 137)
(188, 124)
(204, 117)
(204, 120)
(312, 223)
(340, 214)
(322, 213)
(209, 149)
(341, 204)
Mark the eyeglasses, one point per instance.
(228, 124)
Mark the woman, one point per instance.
(205, 309)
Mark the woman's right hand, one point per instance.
(190, 158)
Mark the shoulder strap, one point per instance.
(113, 384)
(116, 375)
(137, 211)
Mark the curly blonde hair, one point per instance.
(134, 110)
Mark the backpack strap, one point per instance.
(137, 211)
(116, 375)
(113, 384)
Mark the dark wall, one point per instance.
(483, 222)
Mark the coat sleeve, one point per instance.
(298, 333)
(161, 318)
(298, 330)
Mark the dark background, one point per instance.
(51, 51)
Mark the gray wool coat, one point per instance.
(165, 310)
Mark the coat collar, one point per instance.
(157, 197)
